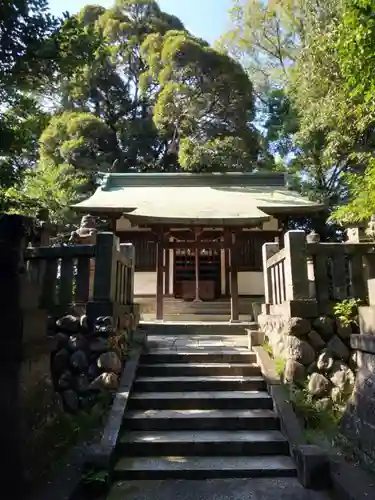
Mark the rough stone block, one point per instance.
(325, 326)
(299, 350)
(316, 340)
(313, 467)
(298, 327)
(294, 372)
(318, 385)
(343, 331)
(325, 361)
(338, 348)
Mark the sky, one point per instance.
(206, 19)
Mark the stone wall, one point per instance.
(316, 352)
(87, 361)
(358, 423)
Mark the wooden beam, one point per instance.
(195, 244)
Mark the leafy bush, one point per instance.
(313, 412)
(347, 310)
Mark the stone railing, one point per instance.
(328, 357)
(98, 276)
(306, 277)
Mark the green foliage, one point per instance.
(79, 139)
(347, 310)
(311, 64)
(204, 102)
(221, 154)
(280, 366)
(361, 204)
(25, 25)
(153, 85)
(46, 186)
(268, 348)
(314, 414)
(22, 124)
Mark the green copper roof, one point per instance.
(230, 198)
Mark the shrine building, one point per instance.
(197, 237)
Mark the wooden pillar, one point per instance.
(227, 266)
(197, 233)
(197, 298)
(167, 270)
(227, 246)
(159, 277)
(234, 306)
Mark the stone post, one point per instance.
(14, 234)
(86, 235)
(296, 279)
(312, 237)
(268, 249)
(129, 251)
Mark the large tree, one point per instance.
(25, 26)
(157, 90)
(304, 106)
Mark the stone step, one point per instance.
(195, 356)
(201, 419)
(197, 369)
(201, 400)
(203, 443)
(196, 327)
(203, 467)
(208, 383)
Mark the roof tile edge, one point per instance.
(218, 179)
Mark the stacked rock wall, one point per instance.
(85, 363)
(316, 352)
(358, 423)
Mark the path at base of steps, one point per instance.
(215, 489)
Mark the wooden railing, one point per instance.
(321, 272)
(100, 273)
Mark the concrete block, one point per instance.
(254, 338)
(366, 315)
(365, 360)
(371, 291)
(313, 467)
(296, 308)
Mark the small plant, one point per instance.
(280, 366)
(346, 311)
(93, 476)
(267, 347)
(313, 413)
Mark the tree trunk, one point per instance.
(12, 238)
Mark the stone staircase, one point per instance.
(199, 414)
(180, 310)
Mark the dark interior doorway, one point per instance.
(209, 270)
